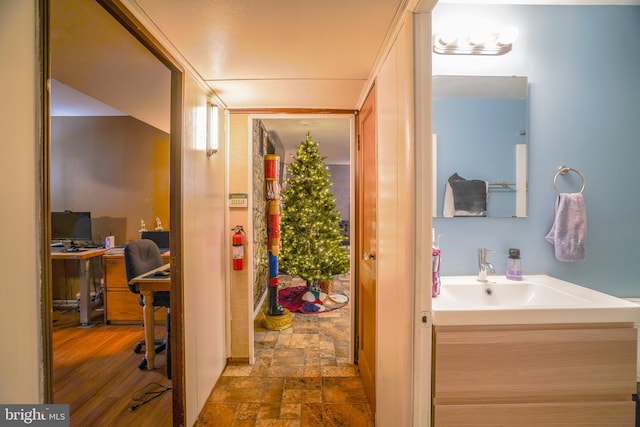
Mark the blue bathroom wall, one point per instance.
(583, 65)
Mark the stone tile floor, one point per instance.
(301, 377)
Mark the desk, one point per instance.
(121, 306)
(147, 284)
(83, 258)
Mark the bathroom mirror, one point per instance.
(480, 134)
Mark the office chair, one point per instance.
(141, 256)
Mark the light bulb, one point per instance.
(507, 36)
(446, 38)
(477, 38)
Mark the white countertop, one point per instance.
(537, 299)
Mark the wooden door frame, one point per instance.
(128, 21)
(316, 113)
(359, 197)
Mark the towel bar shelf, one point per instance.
(501, 184)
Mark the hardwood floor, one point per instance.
(301, 376)
(96, 372)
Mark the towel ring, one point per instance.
(562, 170)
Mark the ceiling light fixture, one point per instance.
(475, 42)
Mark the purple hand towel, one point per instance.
(569, 229)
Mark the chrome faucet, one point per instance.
(484, 266)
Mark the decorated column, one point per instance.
(273, 230)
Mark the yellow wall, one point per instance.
(204, 234)
(423, 222)
(395, 219)
(20, 334)
(115, 167)
(241, 297)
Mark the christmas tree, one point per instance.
(310, 223)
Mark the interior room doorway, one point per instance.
(98, 106)
(335, 135)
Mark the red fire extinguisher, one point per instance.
(238, 248)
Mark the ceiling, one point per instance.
(252, 54)
(278, 53)
(92, 55)
(331, 134)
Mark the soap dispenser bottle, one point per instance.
(435, 266)
(514, 265)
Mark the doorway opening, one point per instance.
(335, 136)
(305, 371)
(102, 148)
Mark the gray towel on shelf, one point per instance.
(569, 229)
(469, 194)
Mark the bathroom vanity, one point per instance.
(532, 353)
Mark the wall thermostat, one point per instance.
(238, 200)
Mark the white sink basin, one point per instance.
(505, 293)
(536, 299)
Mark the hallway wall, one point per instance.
(20, 354)
(394, 232)
(204, 252)
(241, 282)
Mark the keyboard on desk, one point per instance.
(75, 247)
(62, 249)
(75, 250)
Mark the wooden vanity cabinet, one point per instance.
(534, 375)
(122, 307)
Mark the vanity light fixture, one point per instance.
(475, 42)
(212, 129)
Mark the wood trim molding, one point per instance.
(46, 288)
(175, 219)
(127, 19)
(289, 111)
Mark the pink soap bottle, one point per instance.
(435, 275)
(435, 265)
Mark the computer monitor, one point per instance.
(74, 226)
(161, 238)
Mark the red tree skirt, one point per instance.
(291, 299)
